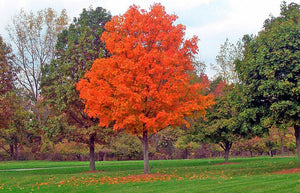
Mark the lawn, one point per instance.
(199, 175)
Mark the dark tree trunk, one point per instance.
(92, 152)
(11, 151)
(16, 151)
(78, 156)
(282, 147)
(146, 152)
(226, 155)
(271, 153)
(186, 153)
(105, 157)
(227, 147)
(297, 135)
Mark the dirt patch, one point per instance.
(288, 171)
(228, 163)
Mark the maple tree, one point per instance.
(144, 86)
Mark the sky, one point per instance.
(211, 20)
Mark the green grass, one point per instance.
(201, 175)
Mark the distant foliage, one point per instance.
(226, 58)
(6, 83)
(34, 36)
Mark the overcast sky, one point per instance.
(211, 20)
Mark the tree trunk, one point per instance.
(227, 150)
(92, 152)
(16, 151)
(186, 153)
(271, 153)
(146, 152)
(226, 155)
(297, 135)
(11, 147)
(282, 147)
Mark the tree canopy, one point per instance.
(270, 71)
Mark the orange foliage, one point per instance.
(74, 181)
(144, 85)
(205, 81)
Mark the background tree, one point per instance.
(225, 59)
(270, 72)
(126, 146)
(12, 114)
(187, 144)
(165, 141)
(6, 68)
(223, 124)
(144, 86)
(278, 136)
(33, 37)
(253, 145)
(76, 49)
(6, 90)
(15, 134)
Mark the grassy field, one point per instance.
(201, 175)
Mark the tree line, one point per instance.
(119, 83)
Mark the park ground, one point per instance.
(261, 174)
